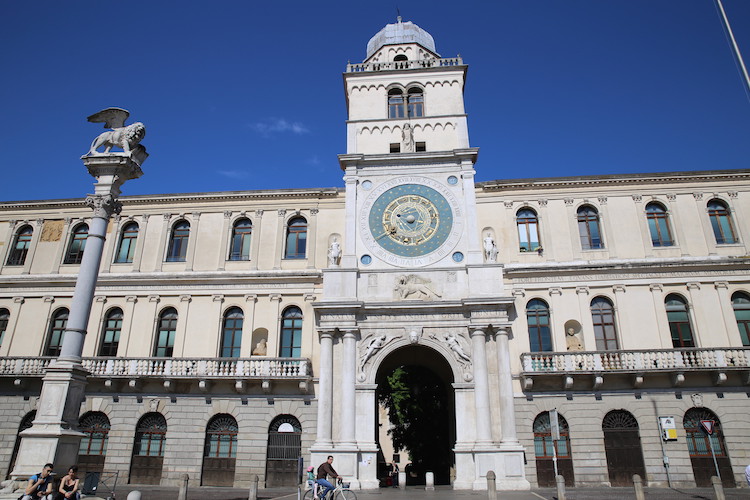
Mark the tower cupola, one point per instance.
(400, 33)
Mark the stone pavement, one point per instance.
(441, 493)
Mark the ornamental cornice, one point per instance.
(616, 180)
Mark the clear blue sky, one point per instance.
(242, 95)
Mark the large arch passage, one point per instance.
(417, 417)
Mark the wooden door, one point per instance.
(622, 444)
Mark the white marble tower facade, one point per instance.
(411, 244)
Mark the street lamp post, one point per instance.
(54, 437)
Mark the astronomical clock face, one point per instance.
(411, 221)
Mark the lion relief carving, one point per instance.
(121, 136)
(413, 287)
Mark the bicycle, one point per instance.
(340, 492)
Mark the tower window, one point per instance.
(416, 102)
(396, 107)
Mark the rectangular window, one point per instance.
(395, 147)
(421, 146)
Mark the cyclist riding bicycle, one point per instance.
(324, 471)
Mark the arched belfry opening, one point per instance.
(416, 423)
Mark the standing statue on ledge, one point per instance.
(121, 136)
(490, 249)
(334, 253)
(407, 139)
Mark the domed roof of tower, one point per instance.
(399, 32)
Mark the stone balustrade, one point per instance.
(402, 65)
(204, 368)
(638, 361)
(639, 369)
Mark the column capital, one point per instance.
(475, 331)
(504, 331)
(103, 205)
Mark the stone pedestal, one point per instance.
(52, 438)
(507, 463)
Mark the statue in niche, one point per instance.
(415, 287)
(121, 136)
(375, 344)
(407, 139)
(455, 346)
(261, 348)
(572, 340)
(334, 253)
(490, 249)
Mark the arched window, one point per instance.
(545, 448)
(291, 333)
(166, 333)
(416, 102)
(4, 319)
(148, 449)
(57, 326)
(699, 448)
(93, 449)
(284, 446)
(588, 228)
(296, 238)
(622, 445)
(401, 57)
(528, 230)
(396, 108)
(231, 335)
(741, 306)
(537, 317)
(126, 248)
(241, 233)
(77, 244)
(26, 423)
(658, 225)
(679, 321)
(20, 248)
(178, 242)
(605, 331)
(220, 451)
(111, 332)
(721, 222)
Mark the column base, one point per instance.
(38, 447)
(507, 463)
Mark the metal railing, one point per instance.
(260, 367)
(636, 360)
(398, 65)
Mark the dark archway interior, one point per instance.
(415, 386)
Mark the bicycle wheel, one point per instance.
(345, 495)
(308, 495)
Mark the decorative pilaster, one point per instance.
(505, 384)
(325, 393)
(481, 387)
(348, 396)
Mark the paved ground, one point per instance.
(441, 493)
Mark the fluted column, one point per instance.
(481, 387)
(348, 396)
(325, 391)
(505, 383)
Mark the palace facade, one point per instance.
(232, 332)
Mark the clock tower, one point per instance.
(417, 277)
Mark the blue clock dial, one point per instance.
(411, 220)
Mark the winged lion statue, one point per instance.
(121, 136)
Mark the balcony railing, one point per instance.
(636, 361)
(399, 65)
(204, 368)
